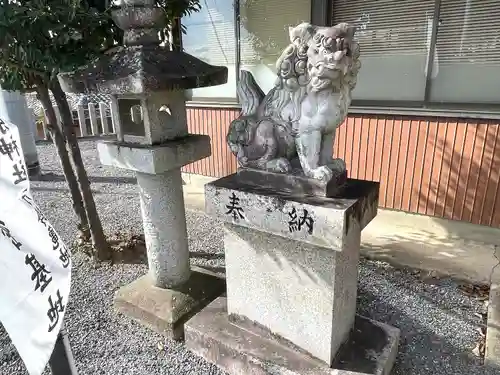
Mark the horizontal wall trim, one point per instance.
(213, 104)
(378, 110)
(411, 111)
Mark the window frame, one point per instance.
(220, 102)
(322, 12)
(425, 106)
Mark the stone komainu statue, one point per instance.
(300, 114)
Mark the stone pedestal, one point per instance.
(291, 273)
(170, 293)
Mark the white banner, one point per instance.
(35, 266)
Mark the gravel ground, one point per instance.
(438, 325)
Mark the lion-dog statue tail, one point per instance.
(255, 137)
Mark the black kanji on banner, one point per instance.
(19, 173)
(41, 218)
(3, 128)
(40, 273)
(9, 148)
(57, 245)
(4, 230)
(25, 197)
(56, 307)
(64, 256)
(6, 233)
(53, 236)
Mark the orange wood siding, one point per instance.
(444, 167)
(215, 123)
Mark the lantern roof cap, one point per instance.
(142, 69)
(141, 66)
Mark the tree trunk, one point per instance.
(69, 174)
(176, 35)
(101, 245)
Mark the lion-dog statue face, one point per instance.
(332, 54)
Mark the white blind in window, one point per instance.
(210, 32)
(264, 27)
(469, 32)
(388, 26)
(394, 38)
(467, 59)
(210, 36)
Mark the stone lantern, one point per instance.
(146, 83)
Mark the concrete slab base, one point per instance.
(243, 348)
(166, 310)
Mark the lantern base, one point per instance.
(166, 310)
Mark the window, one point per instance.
(467, 67)
(264, 34)
(425, 52)
(394, 38)
(210, 37)
(413, 52)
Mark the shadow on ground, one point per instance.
(420, 345)
(461, 259)
(415, 337)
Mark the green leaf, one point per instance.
(43, 37)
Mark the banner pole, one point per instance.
(61, 361)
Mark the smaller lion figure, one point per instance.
(299, 116)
